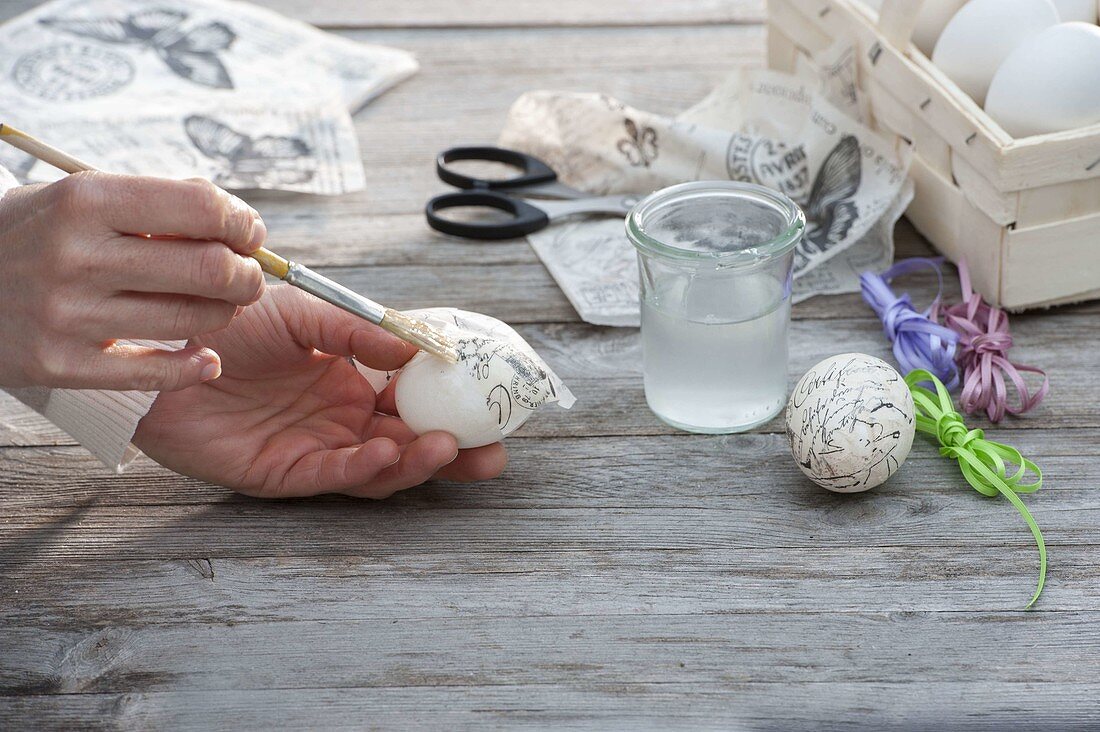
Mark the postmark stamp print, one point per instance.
(70, 72)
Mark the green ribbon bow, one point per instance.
(984, 464)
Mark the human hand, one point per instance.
(77, 275)
(291, 416)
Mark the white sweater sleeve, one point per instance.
(104, 422)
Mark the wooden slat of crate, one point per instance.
(1051, 264)
(1009, 164)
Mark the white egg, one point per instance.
(433, 395)
(1083, 11)
(934, 17)
(851, 422)
(498, 383)
(1050, 83)
(983, 34)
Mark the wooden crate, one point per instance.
(1025, 213)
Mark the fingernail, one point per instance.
(452, 459)
(259, 232)
(210, 371)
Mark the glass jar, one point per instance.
(716, 261)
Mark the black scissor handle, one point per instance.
(526, 219)
(533, 170)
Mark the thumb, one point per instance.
(314, 323)
(123, 367)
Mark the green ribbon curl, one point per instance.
(984, 464)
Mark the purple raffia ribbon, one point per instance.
(919, 342)
(984, 341)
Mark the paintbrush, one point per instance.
(410, 330)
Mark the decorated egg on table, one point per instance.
(851, 422)
(497, 384)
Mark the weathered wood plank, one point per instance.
(972, 705)
(476, 13)
(525, 13)
(603, 365)
(325, 529)
(454, 101)
(827, 707)
(701, 649)
(414, 586)
(573, 501)
(612, 472)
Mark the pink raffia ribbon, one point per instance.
(984, 341)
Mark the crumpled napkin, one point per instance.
(801, 135)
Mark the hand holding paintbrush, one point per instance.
(264, 401)
(408, 329)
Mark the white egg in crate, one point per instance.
(981, 36)
(1084, 11)
(934, 17)
(1050, 83)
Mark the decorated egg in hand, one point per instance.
(497, 384)
(851, 422)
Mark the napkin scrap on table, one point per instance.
(181, 88)
(797, 134)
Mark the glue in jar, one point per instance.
(716, 261)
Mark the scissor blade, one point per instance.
(610, 205)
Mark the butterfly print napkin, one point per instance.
(212, 88)
(801, 135)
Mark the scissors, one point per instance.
(535, 180)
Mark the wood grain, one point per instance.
(523, 13)
(602, 366)
(420, 585)
(520, 650)
(733, 493)
(506, 13)
(620, 575)
(973, 705)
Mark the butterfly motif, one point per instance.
(262, 162)
(830, 210)
(640, 144)
(192, 54)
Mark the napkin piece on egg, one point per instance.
(514, 380)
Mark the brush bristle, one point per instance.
(418, 333)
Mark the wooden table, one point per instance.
(620, 575)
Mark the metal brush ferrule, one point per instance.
(331, 292)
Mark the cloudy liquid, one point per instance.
(720, 364)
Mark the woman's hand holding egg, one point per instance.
(290, 416)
